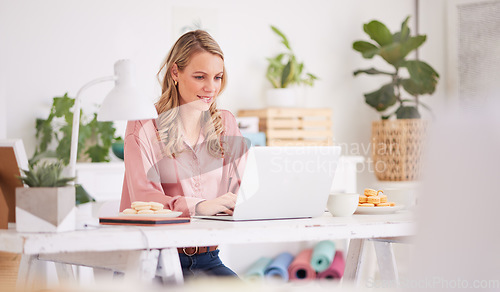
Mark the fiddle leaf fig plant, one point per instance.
(284, 69)
(414, 77)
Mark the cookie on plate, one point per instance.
(370, 192)
(129, 211)
(366, 205)
(138, 205)
(373, 200)
(155, 206)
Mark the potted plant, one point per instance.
(397, 143)
(283, 71)
(47, 204)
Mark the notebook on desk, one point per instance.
(142, 221)
(284, 183)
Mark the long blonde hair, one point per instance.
(168, 104)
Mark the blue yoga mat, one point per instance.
(278, 268)
(257, 269)
(322, 255)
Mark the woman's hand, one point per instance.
(222, 204)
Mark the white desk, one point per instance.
(138, 250)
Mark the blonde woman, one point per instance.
(186, 159)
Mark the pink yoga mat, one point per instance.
(300, 268)
(336, 269)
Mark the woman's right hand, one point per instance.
(222, 204)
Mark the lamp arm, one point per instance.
(76, 123)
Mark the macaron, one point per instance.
(370, 192)
(155, 206)
(138, 205)
(129, 211)
(366, 205)
(373, 199)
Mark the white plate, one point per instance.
(167, 215)
(377, 210)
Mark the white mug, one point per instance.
(342, 204)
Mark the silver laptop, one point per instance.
(284, 183)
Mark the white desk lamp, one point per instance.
(123, 102)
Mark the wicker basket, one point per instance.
(397, 147)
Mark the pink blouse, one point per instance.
(192, 176)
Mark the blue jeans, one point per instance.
(205, 264)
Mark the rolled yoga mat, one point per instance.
(322, 255)
(257, 269)
(336, 269)
(300, 268)
(278, 268)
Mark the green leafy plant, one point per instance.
(45, 174)
(394, 48)
(94, 140)
(284, 69)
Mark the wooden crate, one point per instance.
(294, 126)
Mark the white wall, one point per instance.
(53, 46)
(433, 23)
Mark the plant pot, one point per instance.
(45, 209)
(396, 148)
(281, 97)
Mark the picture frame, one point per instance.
(12, 158)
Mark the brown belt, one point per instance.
(191, 251)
